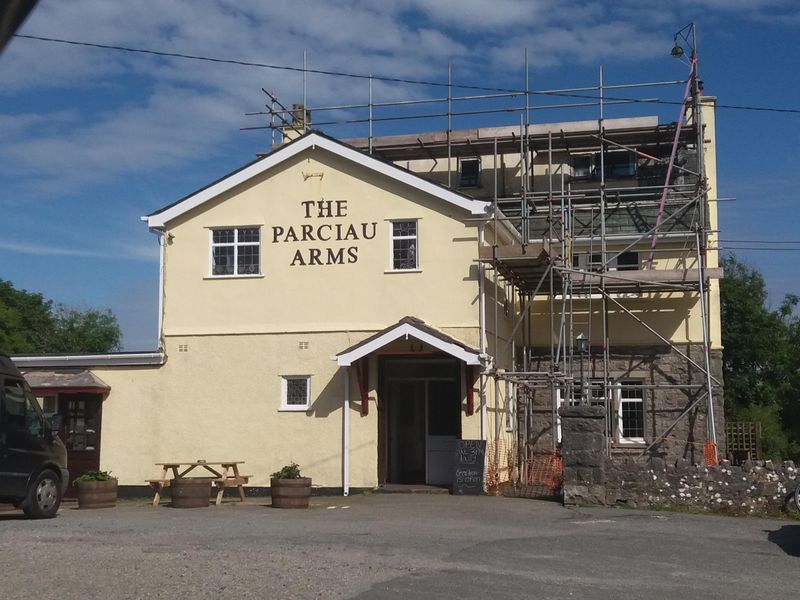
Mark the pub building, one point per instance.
(327, 307)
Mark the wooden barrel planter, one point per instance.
(290, 493)
(191, 492)
(97, 494)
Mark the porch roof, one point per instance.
(419, 330)
(68, 380)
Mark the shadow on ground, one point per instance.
(787, 538)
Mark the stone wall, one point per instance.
(592, 478)
(583, 454)
(652, 365)
(751, 488)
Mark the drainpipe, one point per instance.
(482, 319)
(161, 242)
(346, 434)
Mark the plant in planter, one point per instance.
(289, 489)
(97, 489)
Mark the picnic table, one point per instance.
(224, 474)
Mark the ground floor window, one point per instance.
(295, 392)
(631, 412)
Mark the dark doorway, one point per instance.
(423, 419)
(407, 431)
(81, 418)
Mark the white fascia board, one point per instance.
(454, 350)
(313, 140)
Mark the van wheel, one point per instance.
(44, 496)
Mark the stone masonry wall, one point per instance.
(651, 365)
(751, 488)
(591, 478)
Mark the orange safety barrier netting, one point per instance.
(536, 473)
(543, 468)
(499, 463)
(712, 456)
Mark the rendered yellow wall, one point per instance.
(220, 398)
(359, 296)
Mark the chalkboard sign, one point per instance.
(469, 463)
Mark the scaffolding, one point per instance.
(574, 231)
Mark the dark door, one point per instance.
(407, 431)
(80, 430)
(444, 429)
(22, 438)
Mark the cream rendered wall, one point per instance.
(360, 296)
(218, 397)
(709, 105)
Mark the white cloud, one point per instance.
(114, 113)
(109, 252)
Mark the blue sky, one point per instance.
(92, 139)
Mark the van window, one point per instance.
(19, 410)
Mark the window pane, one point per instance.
(470, 173)
(223, 260)
(296, 392)
(223, 236)
(628, 261)
(632, 419)
(247, 261)
(632, 411)
(249, 234)
(15, 405)
(405, 254)
(404, 228)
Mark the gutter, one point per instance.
(115, 359)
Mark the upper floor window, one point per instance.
(469, 172)
(405, 245)
(236, 251)
(617, 163)
(626, 261)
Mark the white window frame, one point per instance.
(393, 238)
(628, 385)
(236, 245)
(285, 406)
(476, 159)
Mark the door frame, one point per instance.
(384, 408)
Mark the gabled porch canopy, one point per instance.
(417, 329)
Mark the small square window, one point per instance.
(582, 167)
(469, 172)
(295, 392)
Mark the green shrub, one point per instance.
(290, 471)
(95, 476)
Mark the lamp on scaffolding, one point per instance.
(582, 348)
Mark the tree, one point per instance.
(88, 331)
(26, 319)
(30, 324)
(761, 359)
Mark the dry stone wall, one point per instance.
(591, 478)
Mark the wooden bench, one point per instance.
(158, 485)
(230, 481)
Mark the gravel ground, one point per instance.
(396, 546)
